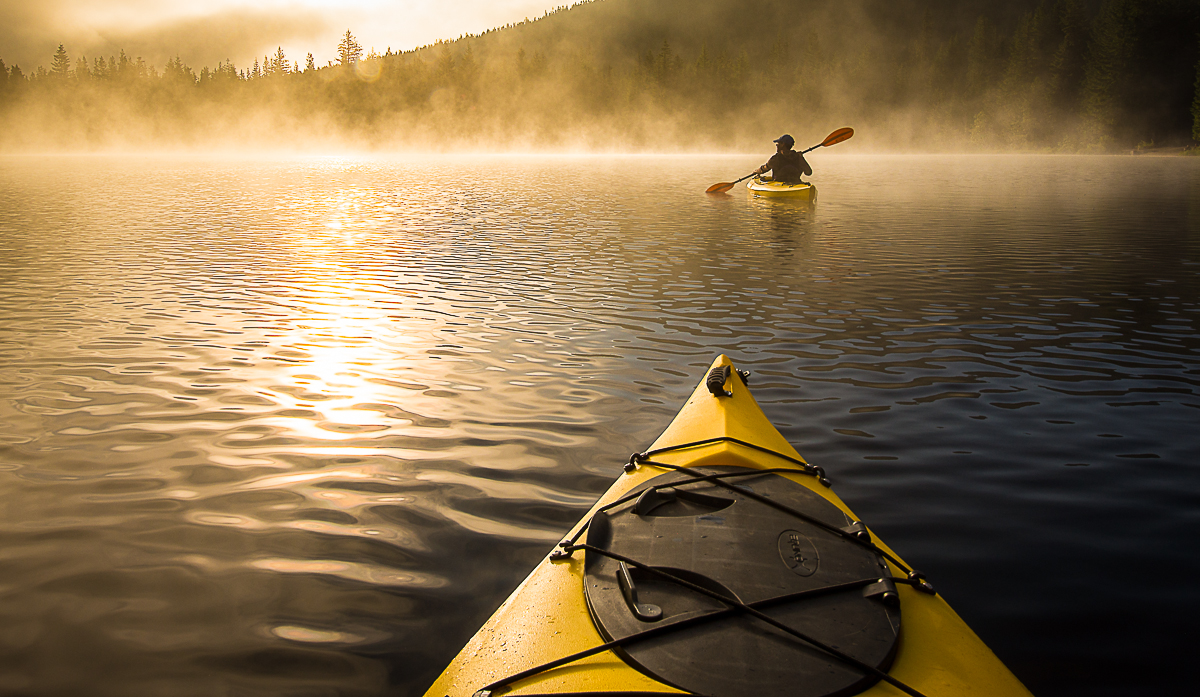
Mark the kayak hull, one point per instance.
(547, 617)
(801, 192)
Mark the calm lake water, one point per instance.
(297, 426)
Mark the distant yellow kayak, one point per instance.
(805, 191)
(720, 563)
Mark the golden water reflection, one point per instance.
(323, 413)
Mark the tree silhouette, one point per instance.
(349, 50)
(1067, 65)
(279, 63)
(60, 68)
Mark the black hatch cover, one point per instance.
(727, 542)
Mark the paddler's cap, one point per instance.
(786, 140)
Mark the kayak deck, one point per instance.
(547, 618)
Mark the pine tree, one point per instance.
(1022, 88)
(309, 64)
(1067, 64)
(60, 69)
(468, 68)
(122, 66)
(664, 62)
(446, 62)
(1108, 58)
(279, 63)
(703, 64)
(349, 50)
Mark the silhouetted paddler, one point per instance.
(786, 165)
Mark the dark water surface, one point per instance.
(296, 427)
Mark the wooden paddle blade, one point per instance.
(837, 136)
(719, 188)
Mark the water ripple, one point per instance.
(299, 425)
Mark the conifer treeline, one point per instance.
(1063, 75)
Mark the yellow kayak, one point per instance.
(804, 191)
(720, 563)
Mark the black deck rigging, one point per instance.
(724, 542)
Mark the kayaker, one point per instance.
(786, 165)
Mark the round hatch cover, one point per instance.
(740, 547)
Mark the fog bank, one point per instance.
(664, 76)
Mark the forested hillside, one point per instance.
(668, 75)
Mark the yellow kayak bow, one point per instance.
(721, 563)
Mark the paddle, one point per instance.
(834, 138)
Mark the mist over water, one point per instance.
(297, 426)
(633, 76)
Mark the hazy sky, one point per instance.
(205, 33)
